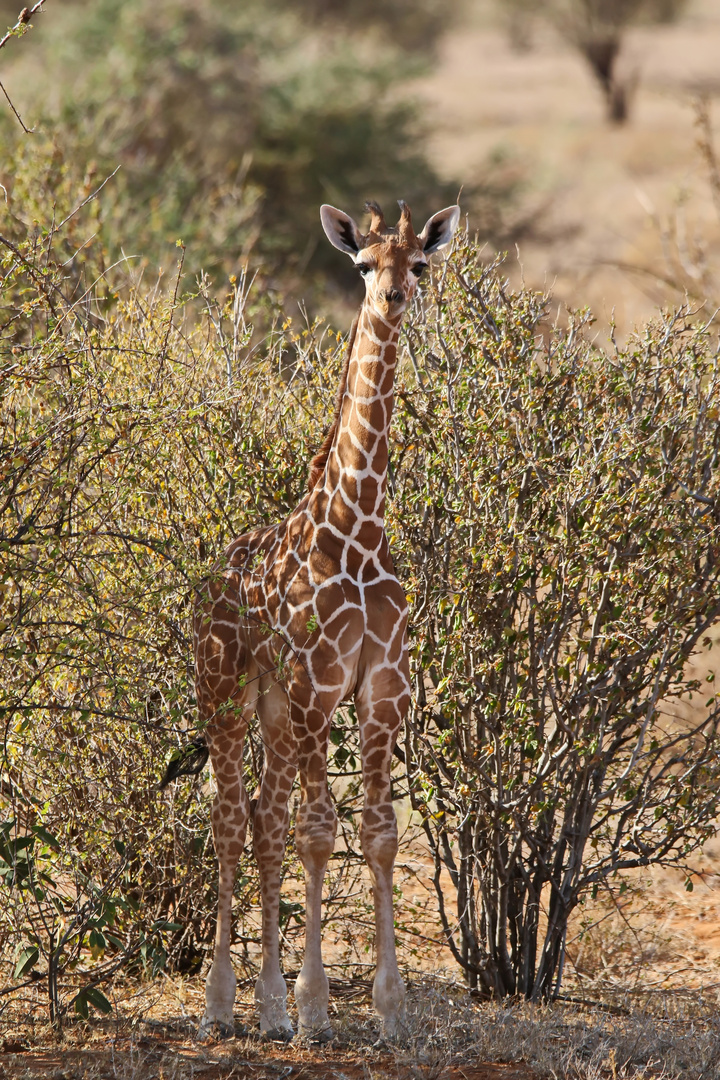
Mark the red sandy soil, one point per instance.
(148, 1058)
(151, 1036)
(167, 1054)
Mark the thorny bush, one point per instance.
(135, 445)
(558, 510)
(554, 513)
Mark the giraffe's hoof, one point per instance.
(315, 1036)
(278, 1034)
(215, 1029)
(393, 1032)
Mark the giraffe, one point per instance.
(299, 617)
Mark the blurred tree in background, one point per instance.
(233, 122)
(596, 28)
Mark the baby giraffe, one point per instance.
(300, 617)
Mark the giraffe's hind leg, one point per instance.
(224, 706)
(229, 823)
(270, 827)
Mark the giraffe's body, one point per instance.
(298, 618)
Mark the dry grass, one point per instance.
(447, 1037)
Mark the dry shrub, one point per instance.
(555, 517)
(556, 510)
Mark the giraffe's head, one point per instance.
(391, 260)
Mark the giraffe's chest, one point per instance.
(324, 609)
(297, 596)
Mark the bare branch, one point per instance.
(21, 27)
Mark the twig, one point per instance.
(27, 130)
(85, 201)
(41, 281)
(588, 1003)
(34, 978)
(20, 28)
(23, 19)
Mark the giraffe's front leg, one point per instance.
(315, 831)
(381, 703)
(270, 828)
(229, 823)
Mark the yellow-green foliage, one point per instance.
(554, 515)
(558, 512)
(140, 433)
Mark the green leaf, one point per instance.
(81, 1005)
(27, 960)
(97, 940)
(97, 999)
(22, 842)
(46, 837)
(341, 755)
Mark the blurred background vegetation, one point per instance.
(231, 123)
(228, 125)
(596, 28)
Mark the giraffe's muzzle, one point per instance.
(394, 296)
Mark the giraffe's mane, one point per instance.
(318, 463)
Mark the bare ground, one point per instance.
(153, 1035)
(447, 1036)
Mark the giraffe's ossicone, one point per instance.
(299, 617)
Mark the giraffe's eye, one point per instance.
(364, 268)
(418, 268)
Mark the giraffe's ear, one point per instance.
(341, 230)
(439, 229)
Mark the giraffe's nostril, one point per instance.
(393, 296)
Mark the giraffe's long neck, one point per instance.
(356, 473)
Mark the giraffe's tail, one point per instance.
(189, 760)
